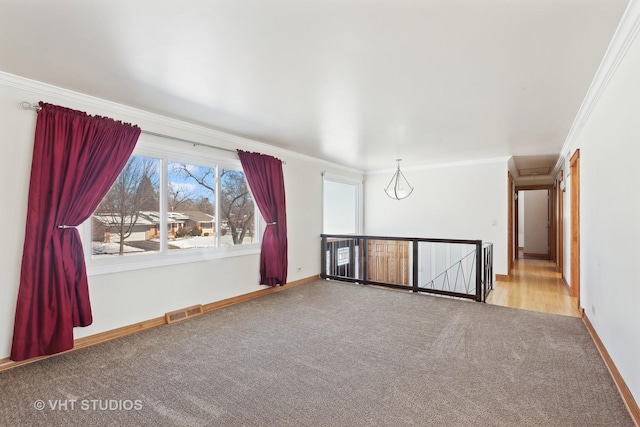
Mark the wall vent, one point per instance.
(183, 313)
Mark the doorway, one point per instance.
(534, 218)
(556, 265)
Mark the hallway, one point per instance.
(535, 286)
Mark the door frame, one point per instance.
(574, 166)
(560, 223)
(551, 222)
(512, 223)
(552, 225)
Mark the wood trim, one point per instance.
(79, 343)
(503, 277)
(551, 230)
(256, 294)
(574, 164)
(534, 255)
(534, 187)
(512, 233)
(560, 227)
(574, 158)
(551, 214)
(625, 393)
(574, 301)
(101, 337)
(515, 218)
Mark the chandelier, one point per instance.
(398, 188)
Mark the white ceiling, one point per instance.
(356, 82)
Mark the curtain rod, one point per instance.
(29, 106)
(188, 141)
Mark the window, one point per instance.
(341, 206)
(191, 197)
(127, 220)
(237, 209)
(169, 206)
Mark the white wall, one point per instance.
(535, 224)
(125, 298)
(610, 217)
(452, 202)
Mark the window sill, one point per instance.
(116, 264)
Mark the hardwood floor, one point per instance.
(535, 286)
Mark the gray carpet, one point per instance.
(329, 354)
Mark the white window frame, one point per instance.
(357, 184)
(115, 264)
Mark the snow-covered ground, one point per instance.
(99, 248)
(204, 242)
(194, 242)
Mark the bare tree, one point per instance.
(236, 204)
(148, 193)
(204, 205)
(134, 190)
(178, 196)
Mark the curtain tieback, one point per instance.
(64, 227)
(272, 223)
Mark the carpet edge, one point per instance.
(628, 399)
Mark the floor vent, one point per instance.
(183, 313)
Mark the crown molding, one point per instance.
(442, 165)
(156, 122)
(622, 39)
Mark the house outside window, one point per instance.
(165, 208)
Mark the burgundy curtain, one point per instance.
(264, 175)
(76, 159)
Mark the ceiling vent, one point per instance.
(534, 171)
(184, 313)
